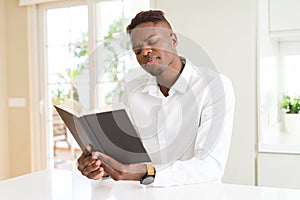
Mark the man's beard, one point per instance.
(159, 71)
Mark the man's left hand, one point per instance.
(119, 171)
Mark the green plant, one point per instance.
(70, 76)
(117, 67)
(80, 49)
(58, 96)
(291, 105)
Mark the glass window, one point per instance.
(73, 39)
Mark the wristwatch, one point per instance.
(149, 176)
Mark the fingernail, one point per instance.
(89, 148)
(97, 162)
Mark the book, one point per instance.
(109, 132)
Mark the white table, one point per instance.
(65, 185)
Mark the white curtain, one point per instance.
(32, 2)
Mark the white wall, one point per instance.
(4, 140)
(227, 30)
(268, 74)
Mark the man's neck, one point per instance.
(169, 77)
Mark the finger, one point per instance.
(97, 174)
(85, 162)
(86, 153)
(113, 173)
(107, 160)
(90, 169)
(88, 150)
(82, 156)
(110, 165)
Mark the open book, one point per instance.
(110, 132)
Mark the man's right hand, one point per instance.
(90, 166)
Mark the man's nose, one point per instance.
(146, 51)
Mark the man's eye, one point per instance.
(152, 42)
(137, 51)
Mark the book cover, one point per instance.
(110, 132)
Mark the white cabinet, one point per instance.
(279, 170)
(278, 160)
(284, 19)
(284, 15)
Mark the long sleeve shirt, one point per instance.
(187, 133)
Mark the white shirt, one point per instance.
(187, 134)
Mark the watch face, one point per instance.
(148, 180)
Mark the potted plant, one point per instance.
(291, 107)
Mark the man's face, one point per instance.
(154, 46)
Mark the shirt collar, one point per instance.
(151, 86)
(183, 80)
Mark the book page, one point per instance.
(72, 106)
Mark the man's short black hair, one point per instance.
(154, 16)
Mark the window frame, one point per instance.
(40, 149)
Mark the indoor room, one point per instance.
(84, 57)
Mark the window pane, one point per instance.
(106, 13)
(132, 7)
(57, 26)
(66, 53)
(291, 70)
(66, 45)
(113, 53)
(59, 59)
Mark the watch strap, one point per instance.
(150, 170)
(148, 178)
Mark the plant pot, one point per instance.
(292, 123)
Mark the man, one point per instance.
(184, 113)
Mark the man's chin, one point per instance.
(159, 71)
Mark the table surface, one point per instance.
(65, 185)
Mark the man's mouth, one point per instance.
(151, 60)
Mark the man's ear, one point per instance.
(174, 39)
